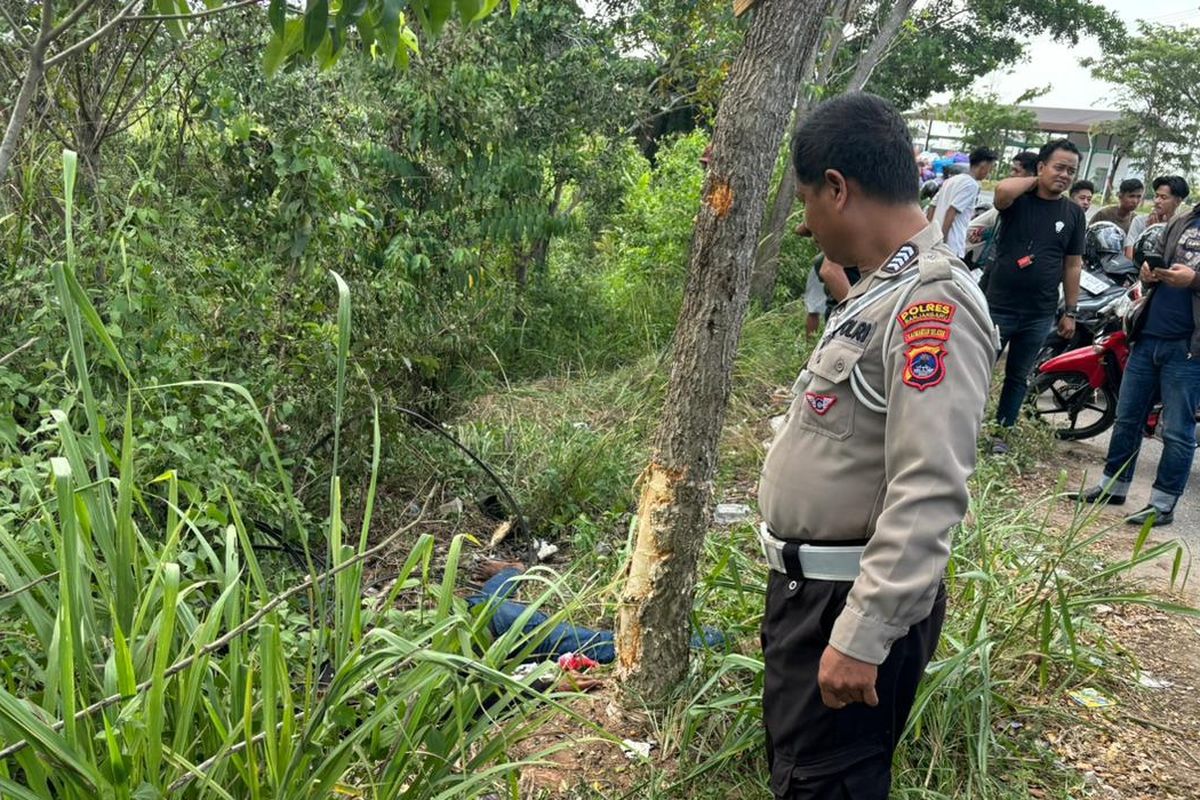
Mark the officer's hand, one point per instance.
(845, 680)
(1066, 327)
(1147, 275)
(1177, 275)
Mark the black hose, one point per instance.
(424, 422)
(419, 420)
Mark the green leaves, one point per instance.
(316, 25)
(382, 28)
(282, 47)
(439, 14)
(276, 13)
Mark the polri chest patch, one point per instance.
(855, 331)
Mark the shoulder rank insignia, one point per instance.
(925, 366)
(900, 259)
(820, 403)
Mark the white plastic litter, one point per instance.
(1148, 681)
(452, 508)
(544, 549)
(729, 513)
(634, 749)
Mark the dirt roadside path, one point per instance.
(1147, 746)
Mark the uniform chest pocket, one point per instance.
(827, 404)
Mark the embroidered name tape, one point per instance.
(936, 332)
(926, 312)
(820, 403)
(855, 331)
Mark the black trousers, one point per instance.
(814, 752)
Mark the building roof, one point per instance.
(1070, 120)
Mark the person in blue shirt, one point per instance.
(1164, 359)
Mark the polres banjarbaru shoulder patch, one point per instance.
(904, 256)
(935, 311)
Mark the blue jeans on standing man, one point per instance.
(1023, 333)
(1156, 366)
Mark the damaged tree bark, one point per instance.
(653, 624)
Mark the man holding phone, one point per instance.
(1164, 361)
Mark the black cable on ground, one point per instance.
(424, 422)
(419, 420)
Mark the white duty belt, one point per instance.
(811, 561)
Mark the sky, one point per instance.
(1073, 86)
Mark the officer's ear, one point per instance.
(838, 187)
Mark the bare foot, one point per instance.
(491, 567)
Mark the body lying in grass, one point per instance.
(500, 581)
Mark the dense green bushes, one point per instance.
(490, 212)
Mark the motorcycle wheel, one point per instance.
(1069, 404)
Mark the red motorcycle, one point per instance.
(1076, 392)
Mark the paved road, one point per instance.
(1089, 456)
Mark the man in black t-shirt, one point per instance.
(1040, 246)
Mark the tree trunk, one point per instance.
(766, 258)
(1117, 157)
(656, 601)
(874, 53)
(766, 264)
(29, 87)
(1151, 163)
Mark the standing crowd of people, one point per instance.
(868, 474)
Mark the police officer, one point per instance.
(869, 473)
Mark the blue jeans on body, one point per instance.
(1024, 334)
(1156, 366)
(563, 637)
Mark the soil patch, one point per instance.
(1144, 747)
(571, 755)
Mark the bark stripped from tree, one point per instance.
(653, 623)
(766, 264)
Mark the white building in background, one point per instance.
(1076, 124)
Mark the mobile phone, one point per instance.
(1155, 262)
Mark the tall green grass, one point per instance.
(148, 674)
(1023, 584)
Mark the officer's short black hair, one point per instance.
(1080, 186)
(1028, 161)
(1053, 146)
(1131, 185)
(864, 138)
(1175, 185)
(982, 155)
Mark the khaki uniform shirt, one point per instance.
(881, 437)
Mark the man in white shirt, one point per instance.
(955, 201)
